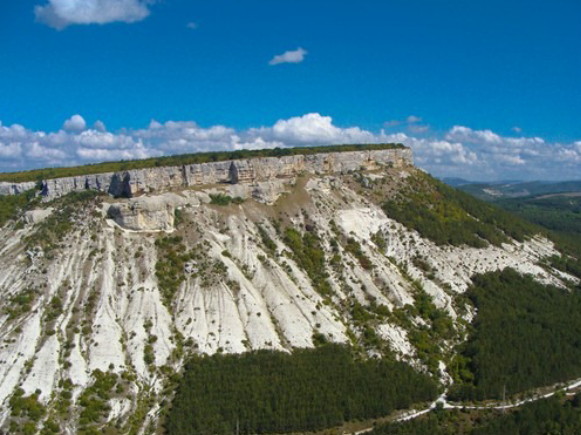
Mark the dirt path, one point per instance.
(412, 414)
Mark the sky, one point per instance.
(483, 90)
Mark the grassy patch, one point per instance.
(309, 255)
(21, 303)
(12, 205)
(55, 227)
(222, 199)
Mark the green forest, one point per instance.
(276, 392)
(184, 159)
(449, 216)
(525, 335)
(549, 416)
(560, 214)
(555, 212)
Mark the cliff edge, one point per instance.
(139, 181)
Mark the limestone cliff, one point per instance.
(139, 181)
(7, 188)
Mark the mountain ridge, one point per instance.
(130, 182)
(99, 288)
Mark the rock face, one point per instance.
(36, 216)
(15, 188)
(155, 213)
(130, 183)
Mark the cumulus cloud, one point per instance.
(59, 14)
(291, 56)
(10, 150)
(461, 151)
(311, 128)
(99, 126)
(465, 134)
(75, 123)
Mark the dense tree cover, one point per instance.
(569, 246)
(559, 214)
(555, 212)
(11, 205)
(275, 392)
(448, 216)
(184, 159)
(549, 416)
(525, 335)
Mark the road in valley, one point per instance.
(443, 402)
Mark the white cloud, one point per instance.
(413, 119)
(291, 56)
(461, 151)
(465, 134)
(99, 126)
(10, 150)
(75, 123)
(313, 128)
(516, 129)
(62, 13)
(37, 151)
(103, 154)
(192, 25)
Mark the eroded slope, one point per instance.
(103, 300)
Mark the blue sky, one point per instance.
(482, 89)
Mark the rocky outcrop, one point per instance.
(133, 182)
(154, 213)
(38, 215)
(16, 188)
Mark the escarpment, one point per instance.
(104, 300)
(139, 181)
